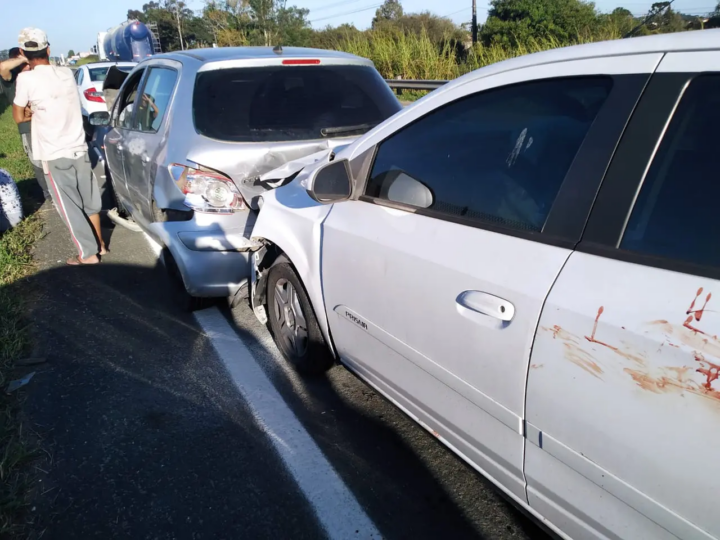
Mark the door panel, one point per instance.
(422, 298)
(392, 288)
(625, 390)
(114, 154)
(145, 142)
(626, 386)
(116, 139)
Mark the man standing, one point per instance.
(9, 71)
(58, 140)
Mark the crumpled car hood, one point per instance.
(248, 164)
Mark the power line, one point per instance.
(456, 12)
(333, 5)
(346, 13)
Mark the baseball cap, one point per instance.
(32, 39)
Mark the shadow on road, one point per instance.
(150, 439)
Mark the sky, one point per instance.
(74, 24)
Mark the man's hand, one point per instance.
(28, 113)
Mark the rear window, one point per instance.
(289, 103)
(99, 74)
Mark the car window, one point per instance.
(81, 76)
(98, 74)
(126, 102)
(155, 98)
(289, 103)
(674, 215)
(498, 157)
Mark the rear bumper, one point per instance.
(212, 253)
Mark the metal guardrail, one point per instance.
(412, 84)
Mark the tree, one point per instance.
(667, 20)
(390, 10)
(333, 37)
(524, 22)
(437, 28)
(618, 23)
(165, 16)
(714, 20)
(71, 53)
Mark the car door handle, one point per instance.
(486, 304)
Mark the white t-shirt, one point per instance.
(57, 126)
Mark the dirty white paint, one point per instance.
(335, 506)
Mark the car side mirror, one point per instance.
(101, 118)
(332, 183)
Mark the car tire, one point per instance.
(293, 323)
(181, 297)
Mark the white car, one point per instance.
(90, 79)
(524, 262)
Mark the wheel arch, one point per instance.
(274, 253)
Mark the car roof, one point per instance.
(246, 53)
(108, 64)
(697, 40)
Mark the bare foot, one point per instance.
(103, 250)
(77, 261)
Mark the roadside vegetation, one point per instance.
(87, 60)
(15, 264)
(413, 45)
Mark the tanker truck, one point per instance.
(131, 41)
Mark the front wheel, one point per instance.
(293, 323)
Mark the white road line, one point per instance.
(335, 507)
(156, 248)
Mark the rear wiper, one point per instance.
(325, 132)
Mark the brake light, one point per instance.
(92, 94)
(207, 191)
(301, 62)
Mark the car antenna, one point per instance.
(649, 18)
(277, 49)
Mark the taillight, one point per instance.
(301, 62)
(92, 94)
(207, 191)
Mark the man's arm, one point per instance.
(6, 66)
(19, 114)
(22, 99)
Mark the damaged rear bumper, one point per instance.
(213, 253)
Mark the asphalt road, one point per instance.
(157, 426)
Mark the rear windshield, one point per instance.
(290, 103)
(99, 74)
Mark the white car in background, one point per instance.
(526, 262)
(90, 79)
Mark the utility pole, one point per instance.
(474, 23)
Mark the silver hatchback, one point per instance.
(192, 133)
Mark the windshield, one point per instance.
(99, 74)
(290, 103)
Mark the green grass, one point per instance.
(15, 264)
(88, 60)
(415, 56)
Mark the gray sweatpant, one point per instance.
(37, 165)
(74, 189)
